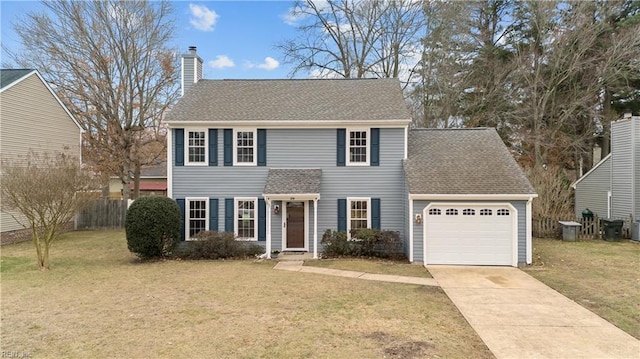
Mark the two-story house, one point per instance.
(611, 189)
(32, 118)
(281, 161)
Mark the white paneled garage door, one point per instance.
(472, 234)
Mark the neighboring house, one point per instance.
(611, 189)
(281, 161)
(153, 182)
(32, 118)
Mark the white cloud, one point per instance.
(296, 14)
(221, 62)
(292, 16)
(269, 64)
(202, 18)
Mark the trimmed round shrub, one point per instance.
(153, 226)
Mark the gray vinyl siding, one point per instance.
(592, 191)
(31, 118)
(636, 168)
(188, 69)
(407, 216)
(418, 230)
(521, 206)
(622, 169)
(305, 148)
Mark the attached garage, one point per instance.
(469, 202)
(470, 234)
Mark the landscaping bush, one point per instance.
(217, 245)
(364, 243)
(153, 226)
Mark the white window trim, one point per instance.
(351, 199)
(186, 147)
(235, 146)
(255, 221)
(348, 146)
(187, 215)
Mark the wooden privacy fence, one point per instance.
(591, 228)
(101, 214)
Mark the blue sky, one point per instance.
(236, 39)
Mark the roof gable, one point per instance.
(292, 100)
(594, 168)
(13, 77)
(462, 161)
(10, 76)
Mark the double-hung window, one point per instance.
(244, 147)
(358, 147)
(359, 213)
(246, 221)
(197, 216)
(196, 147)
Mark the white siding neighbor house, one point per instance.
(611, 189)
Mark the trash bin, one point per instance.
(612, 229)
(570, 230)
(587, 214)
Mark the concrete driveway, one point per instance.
(519, 317)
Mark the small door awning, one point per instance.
(292, 184)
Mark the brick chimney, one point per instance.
(191, 70)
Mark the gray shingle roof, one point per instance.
(159, 170)
(462, 161)
(293, 181)
(9, 76)
(288, 100)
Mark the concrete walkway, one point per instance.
(297, 266)
(519, 317)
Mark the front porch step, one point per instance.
(294, 256)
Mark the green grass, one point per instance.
(376, 266)
(604, 277)
(99, 301)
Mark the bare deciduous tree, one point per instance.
(562, 73)
(111, 64)
(48, 190)
(354, 39)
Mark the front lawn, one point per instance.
(99, 301)
(603, 277)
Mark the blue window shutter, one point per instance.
(213, 214)
(342, 214)
(179, 145)
(375, 147)
(228, 215)
(180, 202)
(228, 147)
(262, 220)
(342, 147)
(213, 147)
(262, 147)
(375, 213)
